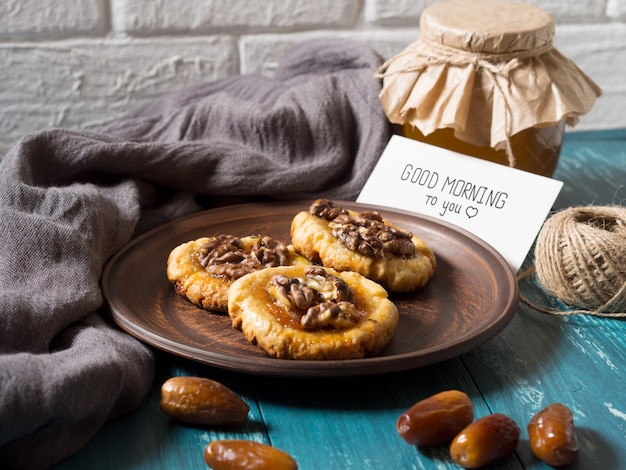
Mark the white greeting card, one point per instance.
(504, 206)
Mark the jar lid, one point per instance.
(488, 26)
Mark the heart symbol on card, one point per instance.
(471, 211)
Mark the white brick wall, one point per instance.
(75, 63)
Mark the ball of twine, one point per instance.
(580, 258)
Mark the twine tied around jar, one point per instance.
(580, 259)
(434, 53)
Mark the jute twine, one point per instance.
(580, 259)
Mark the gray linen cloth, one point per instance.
(70, 199)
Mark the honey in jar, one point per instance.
(536, 149)
(484, 80)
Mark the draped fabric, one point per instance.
(69, 199)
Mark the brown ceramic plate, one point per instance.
(471, 298)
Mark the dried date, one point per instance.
(437, 419)
(552, 435)
(201, 401)
(246, 455)
(485, 441)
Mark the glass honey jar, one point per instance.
(484, 80)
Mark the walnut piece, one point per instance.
(226, 255)
(366, 233)
(339, 315)
(325, 209)
(321, 300)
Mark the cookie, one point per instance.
(312, 313)
(202, 270)
(363, 242)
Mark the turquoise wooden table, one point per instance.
(349, 423)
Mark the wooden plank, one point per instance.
(330, 423)
(593, 169)
(579, 360)
(148, 439)
(349, 423)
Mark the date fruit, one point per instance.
(486, 440)
(246, 455)
(552, 435)
(437, 419)
(201, 401)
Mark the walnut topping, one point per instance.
(356, 235)
(270, 253)
(321, 300)
(225, 255)
(338, 315)
(292, 292)
(366, 233)
(325, 209)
